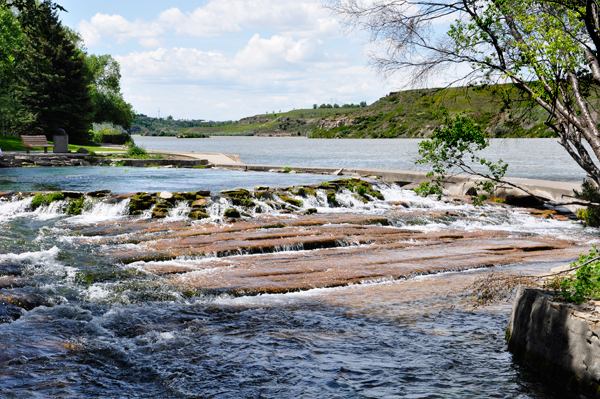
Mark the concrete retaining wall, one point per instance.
(558, 340)
(41, 159)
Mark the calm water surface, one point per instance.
(131, 180)
(531, 158)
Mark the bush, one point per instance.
(585, 283)
(591, 215)
(110, 134)
(135, 151)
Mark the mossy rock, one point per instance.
(198, 215)
(159, 213)
(263, 195)
(305, 192)
(180, 198)
(232, 213)
(331, 198)
(239, 192)
(45, 199)
(199, 204)
(203, 193)
(310, 211)
(137, 207)
(292, 201)
(245, 202)
(188, 196)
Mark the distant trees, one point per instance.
(47, 81)
(362, 104)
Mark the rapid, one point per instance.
(324, 291)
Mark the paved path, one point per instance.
(214, 158)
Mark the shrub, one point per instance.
(585, 283)
(135, 151)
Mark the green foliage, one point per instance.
(453, 148)
(135, 151)
(51, 88)
(109, 133)
(104, 75)
(584, 285)
(76, 206)
(286, 169)
(40, 200)
(591, 215)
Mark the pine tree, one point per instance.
(52, 89)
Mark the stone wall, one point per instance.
(558, 340)
(15, 161)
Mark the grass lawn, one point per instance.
(11, 143)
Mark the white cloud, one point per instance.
(278, 50)
(303, 19)
(203, 22)
(102, 25)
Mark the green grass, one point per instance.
(11, 143)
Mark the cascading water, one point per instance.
(86, 314)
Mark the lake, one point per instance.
(529, 158)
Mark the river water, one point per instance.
(530, 158)
(109, 331)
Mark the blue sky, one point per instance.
(227, 59)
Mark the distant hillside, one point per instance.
(500, 109)
(415, 113)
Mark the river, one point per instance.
(112, 329)
(90, 305)
(529, 158)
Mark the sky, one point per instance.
(227, 59)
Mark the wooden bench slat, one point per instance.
(35, 141)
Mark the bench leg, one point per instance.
(27, 148)
(45, 150)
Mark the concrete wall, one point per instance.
(556, 339)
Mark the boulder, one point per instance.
(82, 150)
(197, 215)
(159, 213)
(201, 203)
(166, 195)
(232, 213)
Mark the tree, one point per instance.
(547, 49)
(104, 77)
(51, 88)
(11, 41)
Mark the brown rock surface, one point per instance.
(272, 254)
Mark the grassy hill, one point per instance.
(499, 109)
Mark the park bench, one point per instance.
(35, 141)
